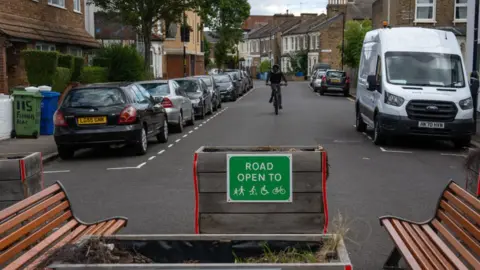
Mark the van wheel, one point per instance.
(462, 142)
(378, 136)
(360, 126)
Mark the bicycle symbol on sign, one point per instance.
(279, 190)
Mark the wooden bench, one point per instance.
(32, 229)
(450, 240)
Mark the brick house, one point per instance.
(43, 25)
(173, 49)
(449, 15)
(252, 23)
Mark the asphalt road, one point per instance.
(156, 191)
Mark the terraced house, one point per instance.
(47, 25)
(449, 15)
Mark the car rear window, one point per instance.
(336, 74)
(207, 81)
(222, 79)
(157, 89)
(94, 97)
(188, 85)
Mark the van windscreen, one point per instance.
(424, 69)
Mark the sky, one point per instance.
(270, 7)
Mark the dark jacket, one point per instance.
(276, 77)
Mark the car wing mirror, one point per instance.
(372, 83)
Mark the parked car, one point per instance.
(213, 88)
(176, 102)
(334, 81)
(108, 114)
(240, 82)
(198, 93)
(317, 79)
(226, 87)
(249, 80)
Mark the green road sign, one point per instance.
(259, 178)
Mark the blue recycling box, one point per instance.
(49, 106)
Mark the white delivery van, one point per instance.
(412, 81)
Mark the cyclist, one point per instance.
(275, 77)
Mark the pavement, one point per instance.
(44, 144)
(155, 191)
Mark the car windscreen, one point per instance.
(335, 74)
(222, 79)
(207, 81)
(93, 98)
(157, 89)
(424, 69)
(188, 85)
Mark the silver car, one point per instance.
(178, 105)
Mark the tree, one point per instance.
(354, 34)
(206, 51)
(142, 15)
(299, 62)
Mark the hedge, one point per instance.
(124, 63)
(61, 80)
(66, 61)
(41, 66)
(94, 75)
(100, 62)
(77, 68)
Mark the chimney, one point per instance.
(280, 18)
(335, 7)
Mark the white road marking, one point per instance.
(370, 138)
(395, 151)
(453, 155)
(177, 140)
(152, 157)
(184, 136)
(161, 152)
(366, 158)
(170, 145)
(122, 168)
(141, 165)
(204, 122)
(191, 131)
(345, 141)
(364, 133)
(354, 126)
(196, 128)
(64, 171)
(351, 99)
(200, 125)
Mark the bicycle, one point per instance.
(276, 88)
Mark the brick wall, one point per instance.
(41, 10)
(16, 66)
(199, 65)
(3, 67)
(330, 39)
(378, 16)
(335, 7)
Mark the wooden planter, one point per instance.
(306, 213)
(216, 252)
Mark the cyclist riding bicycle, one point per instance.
(275, 77)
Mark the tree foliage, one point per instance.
(299, 62)
(354, 34)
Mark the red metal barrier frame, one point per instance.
(324, 189)
(195, 186)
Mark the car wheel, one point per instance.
(219, 104)
(142, 144)
(202, 116)
(360, 126)
(162, 136)
(215, 107)
(65, 153)
(235, 96)
(462, 142)
(179, 126)
(191, 122)
(322, 92)
(378, 136)
(210, 109)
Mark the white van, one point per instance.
(412, 81)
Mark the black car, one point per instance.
(226, 86)
(213, 88)
(237, 81)
(108, 114)
(198, 93)
(335, 81)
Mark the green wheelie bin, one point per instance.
(26, 114)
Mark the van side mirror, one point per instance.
(372, 83)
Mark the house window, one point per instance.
(75, 51)
(425, 10)
(461, 10)
(77, 6)
(45, 47)
(305, 42)
(318, 42)
(312, 42)
(57, 3)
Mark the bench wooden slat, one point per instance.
(432, 247)
(462, 207)
(423, 247)
(17, 248)
(459, 232)
(474, 230)
(456, 244)
(30, 212)
(115, 227)
(37, 249)
(99, 227)
(413, 247)
(58, 245)
(12, 237)
(444, 248)
(85, 232)
(12, 210)
(104, 228)
(465, 195)
(401, 245)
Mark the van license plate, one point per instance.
(431, 125)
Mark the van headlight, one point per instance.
(466, 104)
(393, 100)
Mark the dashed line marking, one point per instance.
(141, 165)
(161, 152)
(170, 145)
(122, 168)
(395, 151)
(64, 171)
(196, 128)
(204, 122)
(190, 132)
(184, 136)
(351, 99)
(177, 140)
(200, 125)
(370, 138)
(152, 157)
(453, 155)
